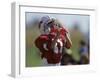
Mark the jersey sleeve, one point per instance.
(39, 43)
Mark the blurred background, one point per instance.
(77, 25)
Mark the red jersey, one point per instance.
(43, 43)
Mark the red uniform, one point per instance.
(53, 56)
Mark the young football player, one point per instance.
(51, 44)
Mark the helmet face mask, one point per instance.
(45, 29)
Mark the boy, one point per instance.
(51, 43)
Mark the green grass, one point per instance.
(32, 53)
(32, 57)
(76, 37)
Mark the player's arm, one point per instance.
(40, 43)
(68, 41)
